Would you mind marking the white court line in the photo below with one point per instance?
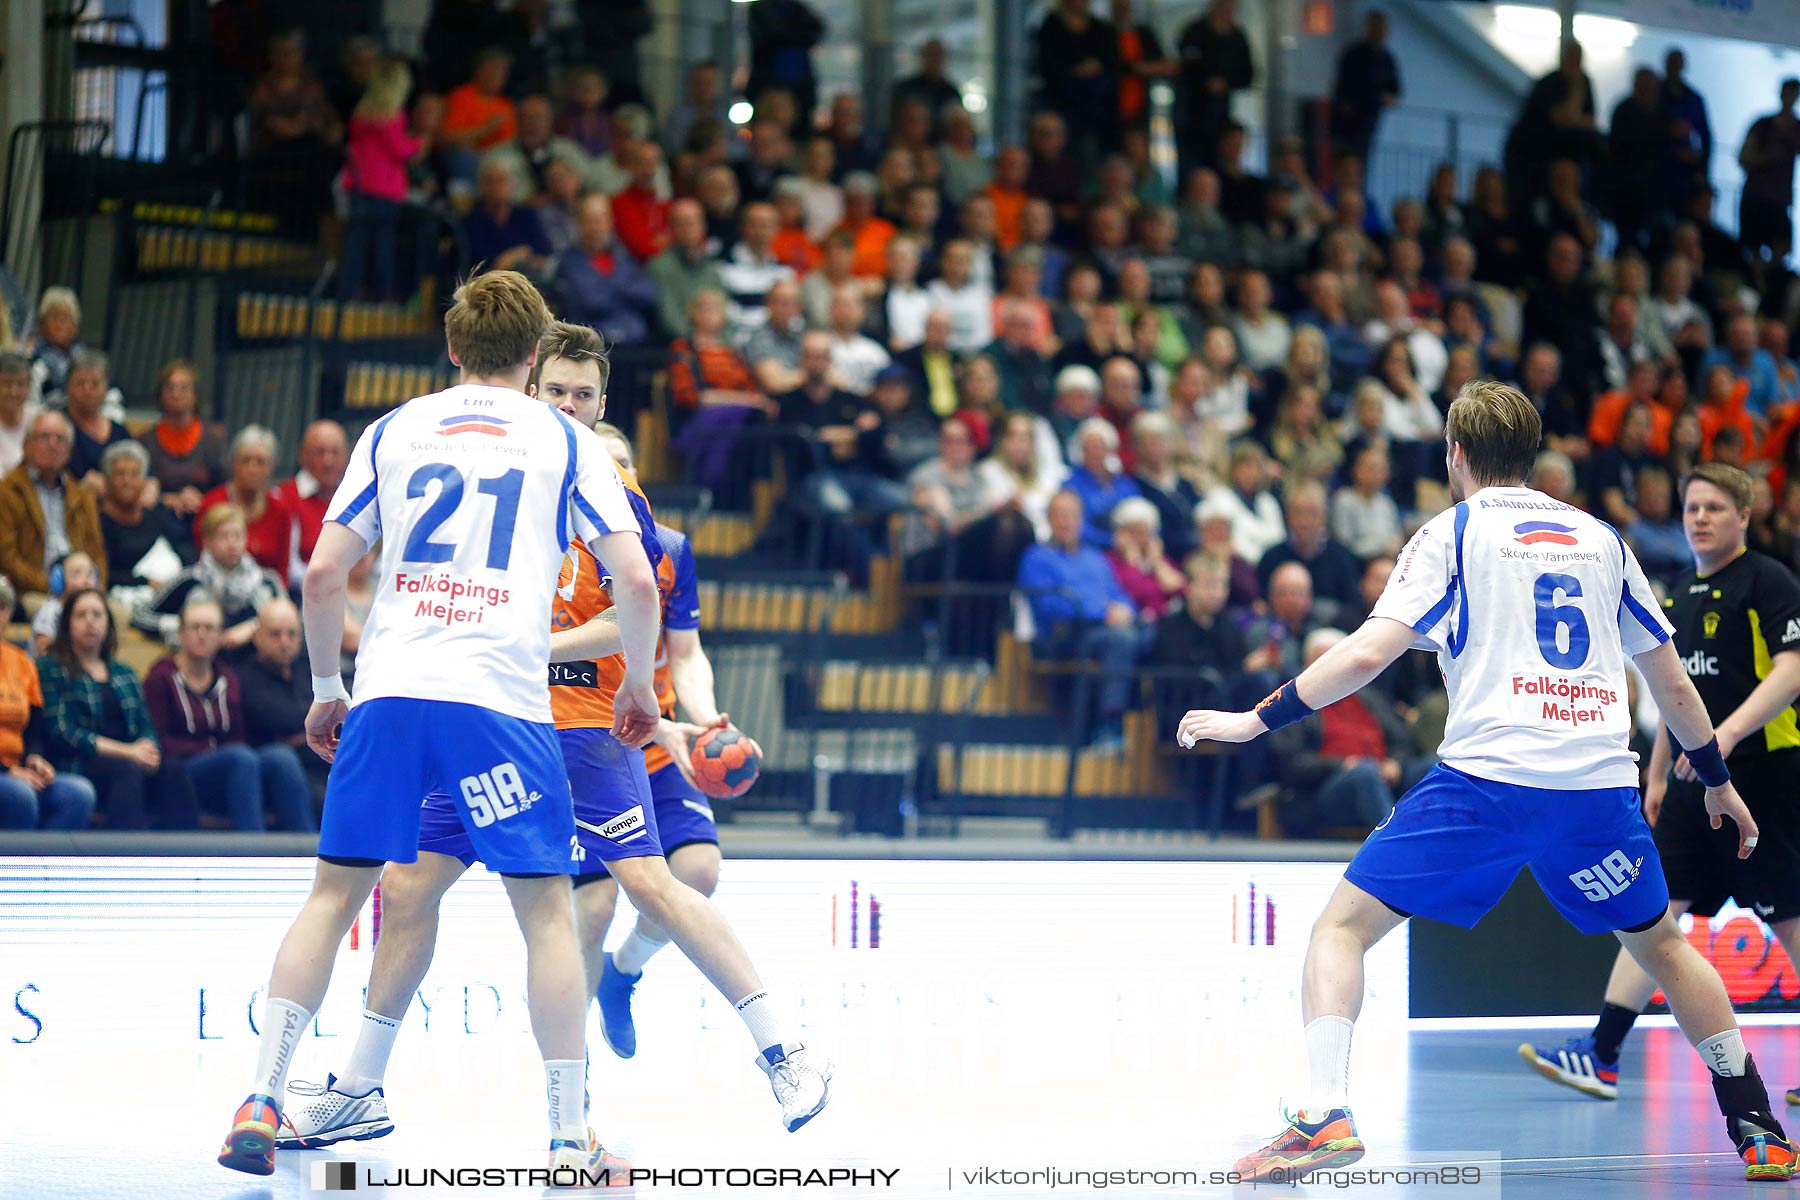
(1580, 1021)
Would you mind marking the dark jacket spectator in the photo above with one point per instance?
(782, 35)
(1215, 62)
(131, 528)
(1368, 81)
(1077, 60)
(597, 281)
(1336, 573)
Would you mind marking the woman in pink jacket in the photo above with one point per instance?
(378, 150)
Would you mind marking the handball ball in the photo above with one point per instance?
(725, 762)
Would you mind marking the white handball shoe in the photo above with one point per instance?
(587, 1165)
(320, 1115)
(800, 1080)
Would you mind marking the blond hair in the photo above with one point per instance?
(385, 97)
(577, 343)
(1733, 481)
(495, 323)
(220, 515)
(1498, 429)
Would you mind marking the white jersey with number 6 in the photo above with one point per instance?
(1531, 605)
(475, 493)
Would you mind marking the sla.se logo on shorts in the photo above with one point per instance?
(1607, 879)
(496, 795)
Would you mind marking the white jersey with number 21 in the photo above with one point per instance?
(475, 493)
(1532, 606)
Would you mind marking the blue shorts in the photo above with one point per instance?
(507, 774)
(683, 815)
(1455, 843)
(614, 816)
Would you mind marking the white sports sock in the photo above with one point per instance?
(1328, 1054)
(767, 1024)
(1724, 1053)
(630, 957)
(283, 1025)
(565, 1085)
(369, 1059)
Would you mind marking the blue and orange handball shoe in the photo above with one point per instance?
(250, 1146)
(1768, 1156)
(1575, 1065)
(1305, 1146)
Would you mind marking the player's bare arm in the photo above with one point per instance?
(639, 605)
(327, 574)
(1778, 690)
(597, 637)
(1685, 715)
(1345, 668)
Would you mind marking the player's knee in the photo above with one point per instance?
(698, 867)
(654, 892)
(406, 896)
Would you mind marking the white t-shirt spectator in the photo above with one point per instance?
(1429, 357)
(971, 309)
(1227, 406)
(907, 309)
(1370, 526)
(1256, 527)
(12, 440)
(823, 207)
(1263, 346)
(858, 360)
(1413, 418)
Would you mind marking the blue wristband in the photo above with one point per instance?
(1709, 764)
(1283, 706)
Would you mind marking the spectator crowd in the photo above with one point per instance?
(1192, 419)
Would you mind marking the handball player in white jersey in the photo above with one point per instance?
(1531, 606)
(474, 493)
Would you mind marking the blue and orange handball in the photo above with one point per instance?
(725, 762)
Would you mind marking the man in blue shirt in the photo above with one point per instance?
(1748, 361)
(1081, 611)
(501, 234)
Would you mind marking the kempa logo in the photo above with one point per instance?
(1793, 630)
(626, 826)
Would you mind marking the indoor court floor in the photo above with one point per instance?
(1457, 1096)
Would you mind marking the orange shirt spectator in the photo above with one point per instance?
(1724, 408)
(468, 109)
(791, 246)
(872, 237)
(1609, 411)
(1009, 214)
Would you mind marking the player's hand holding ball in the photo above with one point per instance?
(1208, 725)
(725, 762)
(677, 737)
(636, 712)
(1723, 801)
